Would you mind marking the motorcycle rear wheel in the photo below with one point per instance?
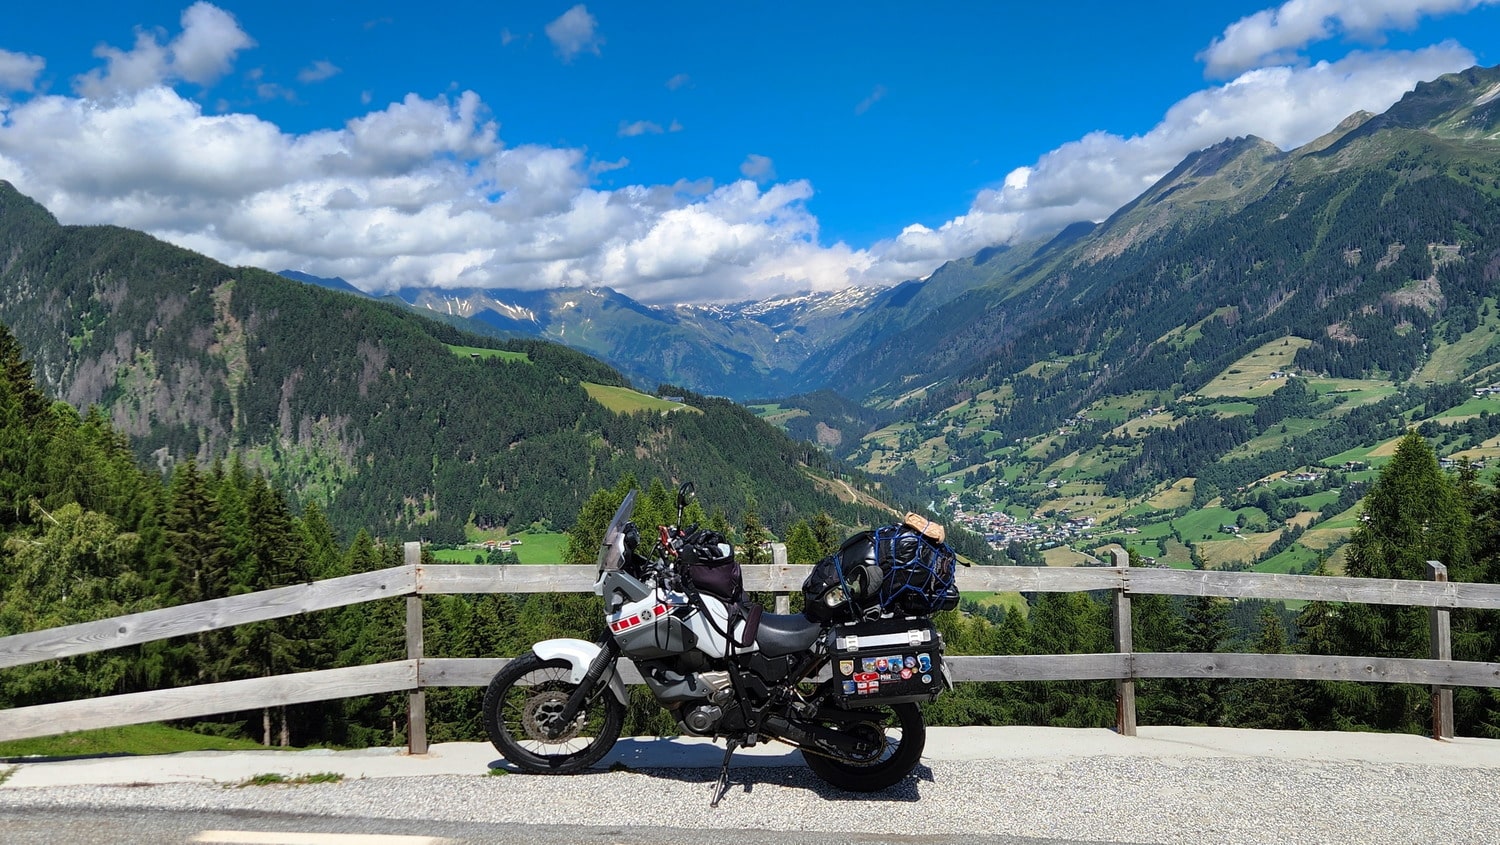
(526, 697)
(905, 736)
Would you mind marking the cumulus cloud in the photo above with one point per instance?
(207, 46)
(19, 71)
(1274, 36)
(680, 80)
(758, 167)
(875, 96)
(1088, 179)
(202, 53)
(576, 31)
(424, 192)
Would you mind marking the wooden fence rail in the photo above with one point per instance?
(418, 672)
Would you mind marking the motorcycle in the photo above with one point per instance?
(840, 681)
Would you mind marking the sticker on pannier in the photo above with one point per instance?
(887, 661)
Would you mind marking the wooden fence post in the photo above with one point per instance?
(778, 558)
(416, 700)
(1124, 687)
(1441, 640)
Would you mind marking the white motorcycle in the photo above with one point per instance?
(840, 681)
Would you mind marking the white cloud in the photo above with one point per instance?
(201, 53)
(680, 80)
(640, 127)
(425, 192)
(758, 167)
(1090, 178)
(207, 46)
(318, 71)
(19, 71)
(422, 192)
(575, 32)
(1274, 36)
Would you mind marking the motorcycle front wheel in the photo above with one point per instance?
(902, 735)
(522, 708)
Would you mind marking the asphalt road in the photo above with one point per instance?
(66, 826)
(989, 786)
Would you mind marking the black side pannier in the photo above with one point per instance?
(886, 661)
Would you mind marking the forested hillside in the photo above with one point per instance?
(88, 534)
(362, 407)
(1212, 376)
(1371, 242)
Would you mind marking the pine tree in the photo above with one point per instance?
(826, 533)
(1411, 515)
(1204, 630)
(753, 537)
(802, 545)
(588, 530)
(1269, 703)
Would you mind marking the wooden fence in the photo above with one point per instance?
(418, 671)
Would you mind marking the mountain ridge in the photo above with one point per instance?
(389, 420)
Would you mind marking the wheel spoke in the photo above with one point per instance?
(523, 709)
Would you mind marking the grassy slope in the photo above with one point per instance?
(534, 549)
(131, 739)
(623, 400)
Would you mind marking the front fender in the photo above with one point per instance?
(579, 654)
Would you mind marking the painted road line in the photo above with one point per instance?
(276, 837)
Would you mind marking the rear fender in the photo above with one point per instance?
(579, 654)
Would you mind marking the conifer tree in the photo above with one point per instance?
(1269, 703)
(826, 533)
(1411, 515)
(802, 545)
(754, 536)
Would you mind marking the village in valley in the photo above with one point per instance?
(1049, 492)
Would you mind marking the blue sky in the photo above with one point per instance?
(674, 151)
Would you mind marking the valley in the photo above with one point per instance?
(1053, 490)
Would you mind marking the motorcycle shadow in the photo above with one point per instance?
(745, 777)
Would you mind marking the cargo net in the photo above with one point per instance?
(919, 574)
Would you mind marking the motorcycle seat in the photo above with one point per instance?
(782, 634)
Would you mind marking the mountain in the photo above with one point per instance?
(390, 420)
(1277, 236)
(738, 350)
(334, 283)
(1256, 315)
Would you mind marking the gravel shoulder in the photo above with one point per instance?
(1170, 785)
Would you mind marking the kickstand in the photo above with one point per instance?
(721, 785)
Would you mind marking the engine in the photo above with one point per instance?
(699, 700)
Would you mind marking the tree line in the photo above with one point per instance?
(88, 534)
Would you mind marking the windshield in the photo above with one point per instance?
(612, 549)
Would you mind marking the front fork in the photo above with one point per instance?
(602, 662)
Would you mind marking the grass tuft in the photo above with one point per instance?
(276, 778)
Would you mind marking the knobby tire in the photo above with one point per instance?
(522, 697)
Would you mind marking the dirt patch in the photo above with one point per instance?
(1341, 332)
(1392, 253)
(1426, 294)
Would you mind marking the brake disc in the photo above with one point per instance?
(543, 711)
